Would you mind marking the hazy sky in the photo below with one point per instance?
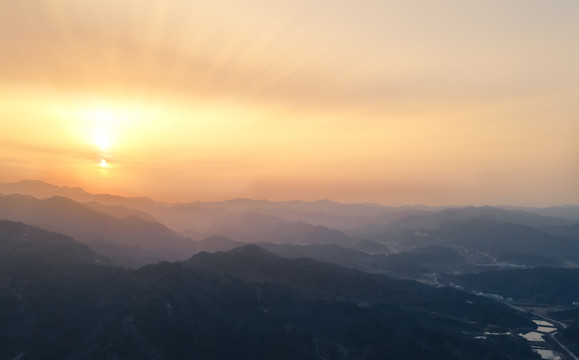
(390, 101)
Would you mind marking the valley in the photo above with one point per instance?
(415, 284)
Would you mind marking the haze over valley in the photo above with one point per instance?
(292, 180)
(410, 282)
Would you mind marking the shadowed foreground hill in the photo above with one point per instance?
(243, 304)
(255, 265)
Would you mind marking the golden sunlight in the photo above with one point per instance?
(101, 139)
(102, 124)
(350, 101)
(107, 127)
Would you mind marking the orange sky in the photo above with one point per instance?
(397, 102)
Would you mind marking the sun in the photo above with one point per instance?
(105, 130)
(101, 139)
(103, 122)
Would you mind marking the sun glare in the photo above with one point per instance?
(101, 139)
(103, 122)
(106, 130)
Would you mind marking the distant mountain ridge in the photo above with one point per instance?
(254, 228)
(489, 213)
(130, 240)
(41, 189)
(267, 284)
(495, 240)
(501, 239)
(411, 264)
(24, 244)
(192, 215)
(133, 234)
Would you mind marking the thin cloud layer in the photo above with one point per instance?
(388, 99)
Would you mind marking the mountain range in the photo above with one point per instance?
(87, 276)
(245, 303)
(129, 240)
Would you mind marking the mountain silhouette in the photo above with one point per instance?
(244, 304)
(24, 244)
(131, 240)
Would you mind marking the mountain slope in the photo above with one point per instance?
(570, 231)
(411, 264)
(488, 213)
(488, 241)
(41, 189)
(25, 244)
(503, 240)
(253, 228)
(131, 240)
(201, 216)
(254, 264)
(199, 310)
